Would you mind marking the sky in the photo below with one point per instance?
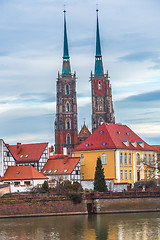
(31, 48)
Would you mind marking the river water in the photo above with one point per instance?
(137, 226)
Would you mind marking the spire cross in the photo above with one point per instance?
(64, 8)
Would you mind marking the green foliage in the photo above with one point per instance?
(45, 187)
(75, 197)
(67, 186)
(99, 179)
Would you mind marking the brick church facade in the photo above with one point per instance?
(66, 127)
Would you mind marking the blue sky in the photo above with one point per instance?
(31, 44)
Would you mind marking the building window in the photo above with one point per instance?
(99, 85)
(100, 107)
(126, 174)
(145, 158)
(27, 183)
(82, 175)
(145, 175)
(138, 159)
(68, 125)
(121, 174)
(153, 162)
(68, 140)
(104, 158)
(130, 174)
(149, 174)
(82, 159)
(130, 158)
(67, 107)
(67, 90)
(153, 174)
(149, 159)
(121, 158)
(125, 158)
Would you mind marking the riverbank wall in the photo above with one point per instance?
(29, 206)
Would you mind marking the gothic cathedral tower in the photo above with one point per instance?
(102, 106)
(66, 108)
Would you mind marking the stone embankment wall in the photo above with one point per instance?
(27, 207)
(127, 204)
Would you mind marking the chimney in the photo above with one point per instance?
(19, 147)
(64, 151)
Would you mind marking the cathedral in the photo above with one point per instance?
(66, 126)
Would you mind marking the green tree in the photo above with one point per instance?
(99, 179)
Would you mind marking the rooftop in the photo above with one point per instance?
(113, 136)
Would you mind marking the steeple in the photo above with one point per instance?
(66, 69)
(98, 58)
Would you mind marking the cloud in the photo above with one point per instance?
(141, 56)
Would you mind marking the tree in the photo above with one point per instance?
(99, 179)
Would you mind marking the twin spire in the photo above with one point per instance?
(66, 69)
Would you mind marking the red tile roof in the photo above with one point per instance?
(28, 152)
(113, 136)
(22, 172)
(53, 156)
(60, 164)
(157, 148)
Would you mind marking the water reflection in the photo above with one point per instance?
(96, 227)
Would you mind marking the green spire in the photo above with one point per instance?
(66, 69)
(98, 58)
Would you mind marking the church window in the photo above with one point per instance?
(145, 158)
(153, 162)
(130, 158)
(99, 85)
(125, 158)
(67, 90)
(68, 139)
(67, 107)
(104, 158)
(68, 125)
(149, 159)
(100, 107)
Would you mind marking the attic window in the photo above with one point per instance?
(86, 145)
(26, 156)
(101, 132)
(18, 173)
(127, 133)
(134, 144)
(49, 171)
(21, 156)
(44, 171)
(141, 144)
(65, 170)
(118, 132)
(104, 143)
(55, 171)
(125, 142)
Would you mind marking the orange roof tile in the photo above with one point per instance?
(113, 136)
(29, 152)
(58, 166)
(22, 172)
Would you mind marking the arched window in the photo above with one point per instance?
(125, 158)
(68, 125)
(130, 158)
(104, 158)
(138, 159)
(153, 162)
(100, 107)
(121, 158)
(99, 85)
(149, 159)
(67, 90)
(67, 107)
(145, 158)
(68, 139)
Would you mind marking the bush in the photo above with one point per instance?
(75, 197)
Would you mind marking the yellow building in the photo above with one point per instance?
(126, 158)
